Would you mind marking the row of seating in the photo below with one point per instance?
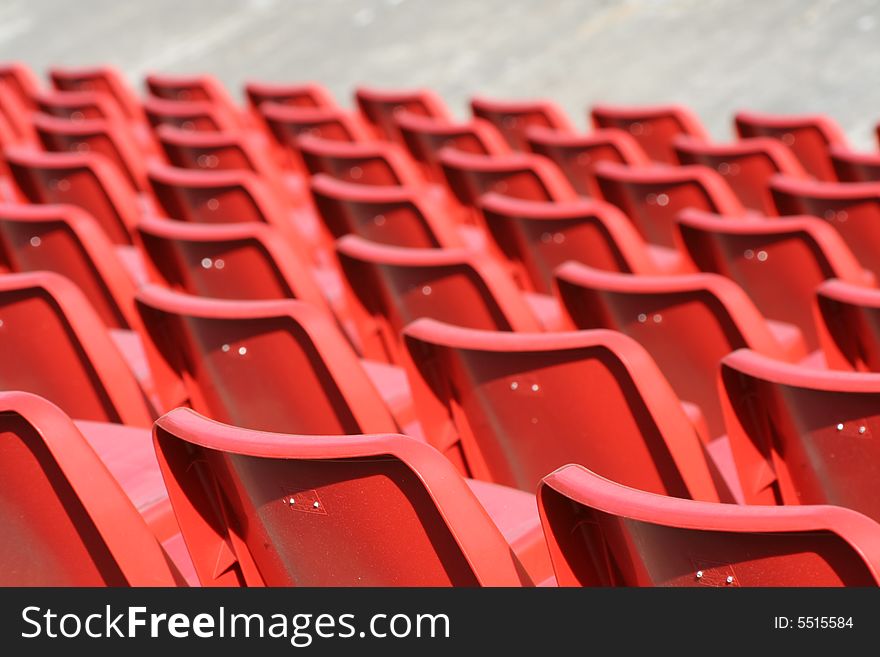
(383, 317)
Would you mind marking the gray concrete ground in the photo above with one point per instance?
(715, 55)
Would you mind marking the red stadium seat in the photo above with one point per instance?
(513, 117)
(809, 136)
(199, 88)
(392, 286)
(20, 80)
(100, 79)
(852, 208)
(518, 406)
(424, 138)
(801, 435)
(54, 344)
(848, 318)
(777, 263)
(102, 136)
(16, 116)
(236, 359)
(653, 196)
(520, 175)
(66, 521)
(365, 163)
(382, 510)
(381, 106)
(288, 122)
(79, 105)
(851, 166)
(396, 215)
(189, 115)
(226, 261)
(747, 165)
(541, 235)
(296, 94)
(603, 534)
(654, 127)
(87, 180)
(687, 323)
(576, 155)
(67, 240)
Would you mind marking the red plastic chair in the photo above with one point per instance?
(852, 208)
(381, 106)
(603, 534)
(802, 435)
(747, 165)
(189, 115)
(16, 115)
(226, 261)
(365, 163)
(101, 79)
(288, 122)
(777, 263)
(395, 215)
(424, 138)
(67, 240)
(236, 361)
(101, 136)
(20, 80)
(541, 235)
(79, 105)
(66, 520)
(392, 286)
(851, 166)
(848, 319)
(289, 94)
(576, 155)
(809, 136)
(199, 88)
(652, 197)
(514, 406)
(687, 323)
(87, 180)
(520, 175)
(54, 344)
(654, 127)
(264, 509)
(513, 117)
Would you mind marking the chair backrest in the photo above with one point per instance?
(852, 166)
(216, 196)
(102, 136)
(520, 175)
(199, 88)
(526, 404)
(392, 286)
(392, 214)
(747, 165)
(809, 136)
(269, 509)
(19, 79)
(802, 435)
(53, 343)
(100, 79)
(687, 323)
(227, 261)
(381, 106)
(365, 163)
(541, 235)
(291, 94)
(603, 534)
(87, 180)
(288, 122)
(188, 115)
(653, 196)
(16, 115)
(79, 106)
(654, 127)
(576, 155)
(425, 136)
(66, 521)
(777, 263)
(67, 240)
(852, 208)
(848, 319)
(513, 117)
(278, 365)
